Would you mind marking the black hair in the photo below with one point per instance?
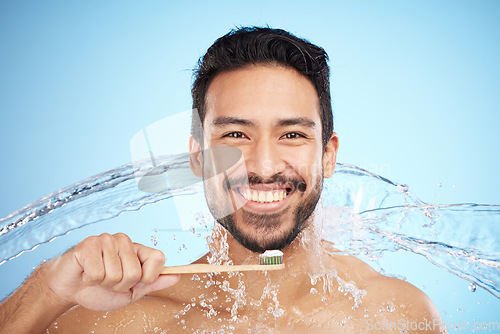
(262, 45)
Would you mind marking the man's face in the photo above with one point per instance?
(271, 114)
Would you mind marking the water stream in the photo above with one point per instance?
(361, 213)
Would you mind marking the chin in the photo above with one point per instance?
(259, 236)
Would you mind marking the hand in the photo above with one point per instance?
(107, 272)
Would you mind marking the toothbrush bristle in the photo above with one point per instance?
(270, 257)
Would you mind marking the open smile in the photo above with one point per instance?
(265, 197)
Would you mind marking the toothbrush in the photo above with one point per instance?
(269, 260)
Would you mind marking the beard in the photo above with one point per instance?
(269, 230)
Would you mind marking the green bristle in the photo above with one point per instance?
(264, 259)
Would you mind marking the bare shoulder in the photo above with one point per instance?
(349, 267)
(402, 293)
(391, 299)
(405, 305)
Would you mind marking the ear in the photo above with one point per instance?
(330, 156)
(195, 157)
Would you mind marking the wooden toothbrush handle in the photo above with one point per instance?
(212, 268)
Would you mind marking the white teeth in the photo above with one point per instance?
(255, 196)
(281, 195)
(276, 196)
(264, 196)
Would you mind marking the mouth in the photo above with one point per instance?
(265, 196)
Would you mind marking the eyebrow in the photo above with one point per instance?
(303, 121)
(227, 120)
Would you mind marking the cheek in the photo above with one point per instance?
(306, 162)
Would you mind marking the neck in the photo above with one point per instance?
(304, 254)
(303, 257)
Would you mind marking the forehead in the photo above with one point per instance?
(262, 93)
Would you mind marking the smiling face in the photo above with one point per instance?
(270, 113)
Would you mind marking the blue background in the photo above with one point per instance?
(415, 85)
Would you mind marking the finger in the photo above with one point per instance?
(88, 254)
(131, 266)
(112, 263)
(162, 282)
(152, 261)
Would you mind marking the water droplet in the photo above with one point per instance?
(439, 184)
(154, 240)
(390, 308)
(459, 310)
(472, 287)
(192, 230)
(404, 188)
(313, 291)
(278, 312)
(195, 278)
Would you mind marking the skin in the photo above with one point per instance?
(107, 276)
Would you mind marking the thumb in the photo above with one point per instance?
(162, 282)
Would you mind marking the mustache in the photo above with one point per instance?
(296, 183)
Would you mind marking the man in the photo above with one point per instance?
(266, 93)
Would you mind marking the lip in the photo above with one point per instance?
(263, 207)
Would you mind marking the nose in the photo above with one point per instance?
(264, 158)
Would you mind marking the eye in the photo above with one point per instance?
(235, 134)
(293, 135)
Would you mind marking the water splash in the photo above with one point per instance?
(362, 214)
(93, 200)
(463, 239)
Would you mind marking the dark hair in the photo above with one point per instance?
(255, 45)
